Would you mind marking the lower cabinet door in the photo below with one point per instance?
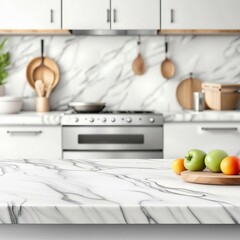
(181, 137)
(30, 142)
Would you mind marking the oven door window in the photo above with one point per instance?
(110, 139)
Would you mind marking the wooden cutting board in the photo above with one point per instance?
(185, 91)
(210, 178)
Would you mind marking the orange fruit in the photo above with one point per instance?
(230, 165)
(178, 166)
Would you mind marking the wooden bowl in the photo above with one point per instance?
(49, 63)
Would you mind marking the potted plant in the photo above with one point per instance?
(4, 63)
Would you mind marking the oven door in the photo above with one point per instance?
(112, 138)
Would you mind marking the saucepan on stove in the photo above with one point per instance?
(81, 107)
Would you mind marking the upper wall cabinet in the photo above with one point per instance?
(30, 14)
(200, 14)
(135, 15)
(86, 14)
(111, 14)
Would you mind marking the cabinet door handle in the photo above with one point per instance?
(172, 16)
(114, 15)
(108, 15)
(220, 129)
(51, 16)
(24, 132)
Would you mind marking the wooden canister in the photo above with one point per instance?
(221, 97)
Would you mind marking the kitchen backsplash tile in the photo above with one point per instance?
(99, 68)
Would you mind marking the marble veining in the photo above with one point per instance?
(109, 192)
(99, 68)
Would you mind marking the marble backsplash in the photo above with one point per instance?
(99, 68)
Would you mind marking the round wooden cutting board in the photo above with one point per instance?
(210, 178)
(185, 91)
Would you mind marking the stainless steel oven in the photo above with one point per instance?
(113, 136)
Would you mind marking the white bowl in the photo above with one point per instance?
(10, 105)
(10, 99)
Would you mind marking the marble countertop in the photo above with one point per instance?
(54, 118)
(31, 118)
(205, 116)
(109, 192)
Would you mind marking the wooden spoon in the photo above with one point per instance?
(167, 66)
(43, 72)
(49, 88)
(138, 65)
(39, 86)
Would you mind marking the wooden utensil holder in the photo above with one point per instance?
(42, 104)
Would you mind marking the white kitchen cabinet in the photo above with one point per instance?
(38, 142)
(135, 14)
(111, 14)
(30, 14)
(86, 14)
(181, 137)
(200, 14)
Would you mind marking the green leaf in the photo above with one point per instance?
(4, 62)
(2, 43)
(3, 76)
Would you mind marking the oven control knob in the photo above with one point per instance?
(76, 120)
(129, 120)
(152, 120)
(91, 119)
(104, 119)
(113, 119)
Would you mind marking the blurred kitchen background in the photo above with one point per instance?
(99, 69)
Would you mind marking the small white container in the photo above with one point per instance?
(198, 101)
(10, 105)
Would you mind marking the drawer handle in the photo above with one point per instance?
(219, 129)
(24, 132)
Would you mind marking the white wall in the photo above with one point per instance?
(99, 68)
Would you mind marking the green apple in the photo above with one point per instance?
(213, 160)
(194, 160)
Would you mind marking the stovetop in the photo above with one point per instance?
(72, 112)
(110, 118)
(128, 112)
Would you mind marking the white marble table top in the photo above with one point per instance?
(109, 192)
